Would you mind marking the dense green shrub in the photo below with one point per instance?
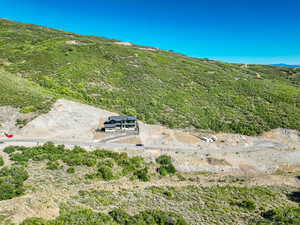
(166, 167)
(142, 174)
(9, 149)
(120, 216)
(247, 204)
(105, 172)
(152, 217)
(53, 165)
(92, 176)
(281, 216)
(80, 216)
(131, 164)
(11, 182)
(76, 216)
(71, 170)
(1, 161)
(166, 192)
(108, 162)
(34, 221)
(164, 160)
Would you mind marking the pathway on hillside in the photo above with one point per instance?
(259, 145)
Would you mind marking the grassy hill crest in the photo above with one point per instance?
(156, 85)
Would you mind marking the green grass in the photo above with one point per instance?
(157, 86)
(23, 94)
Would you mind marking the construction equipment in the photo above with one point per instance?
(209, 140)
(6, 135)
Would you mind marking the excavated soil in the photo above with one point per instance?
(233, 153)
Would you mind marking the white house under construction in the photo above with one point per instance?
(121, 123)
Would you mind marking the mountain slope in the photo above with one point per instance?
(158, 86)
(286, 65)
(23, 94)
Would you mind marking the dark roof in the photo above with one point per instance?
(121, 118)
(110, 125)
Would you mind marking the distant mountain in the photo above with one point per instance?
(286, 65)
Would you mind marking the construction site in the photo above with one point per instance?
(192, 150)
(206, 161)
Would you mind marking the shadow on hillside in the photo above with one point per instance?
(294, 196)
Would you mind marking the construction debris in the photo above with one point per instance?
(209, 140)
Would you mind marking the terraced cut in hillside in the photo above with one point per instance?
(157, 86)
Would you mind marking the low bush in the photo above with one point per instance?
(11, 182)
(53, 165)
(71, 170)
(105, 172)
(164, 160)
(9, 149)
(120, 216)
(108, 162)
(20, 123)
(1, 161)
(142, 174)
(76, 216)
(34, 221)
(92, 176)
(166, 192)
(81, 216)
(151, 217)
(102, 160)
(166, 167)
(280, 216)
(247, 204)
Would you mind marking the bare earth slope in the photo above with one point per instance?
(74, 123)
(67, 120)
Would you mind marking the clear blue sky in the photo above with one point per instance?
(248, 31)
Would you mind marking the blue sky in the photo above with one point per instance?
(247, 31)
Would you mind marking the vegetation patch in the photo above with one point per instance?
(53, 165)
(166, 166)
(96, 198)
(1, 161)
(11, 182)
(116, 217)
(71, 170)
(107, 165)
(280, 216)
(171, 89)
(167, 192)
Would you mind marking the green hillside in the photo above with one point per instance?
(158, 86)
(23, 94)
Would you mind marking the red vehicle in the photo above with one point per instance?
(7, 135)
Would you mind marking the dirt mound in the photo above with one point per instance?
(123, 43)
(9, 118)
(67, 120)
(283, 135)
(217, 162)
